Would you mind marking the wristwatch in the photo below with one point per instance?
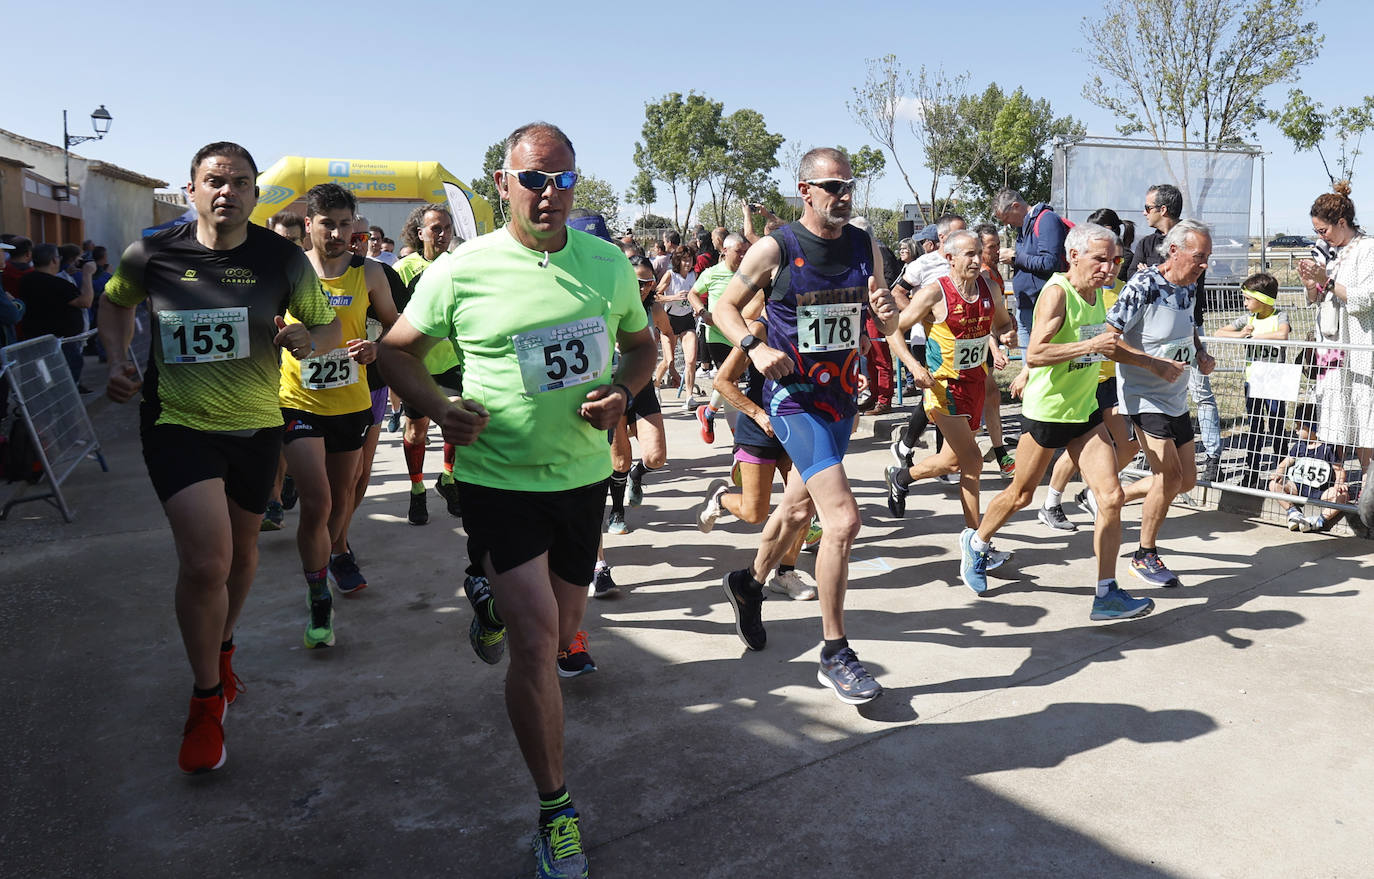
(749, 342)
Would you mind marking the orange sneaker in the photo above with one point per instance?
(202, 740)
(233, 685)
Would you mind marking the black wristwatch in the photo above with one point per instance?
(748, 342)
(629, 397)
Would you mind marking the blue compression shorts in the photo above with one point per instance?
(812, 443)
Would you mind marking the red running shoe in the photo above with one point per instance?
(202, 740)
(707, 422)
(233, 685)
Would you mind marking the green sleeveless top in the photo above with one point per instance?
(1066, 393)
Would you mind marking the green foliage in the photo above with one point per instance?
(596, 195)
(642, 190)
(1006, 142)
(867, 165)
(1194, 71)
(484, 185)
(1307, 125)
(687, 141)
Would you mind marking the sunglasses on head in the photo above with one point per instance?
(833, 185)
(535, 181)
(644, 282)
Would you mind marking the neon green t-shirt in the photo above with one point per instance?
(441, 358)
(532, 341)
(713, 282)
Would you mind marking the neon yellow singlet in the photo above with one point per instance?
(332, 383)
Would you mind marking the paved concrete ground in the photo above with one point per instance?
(1225, 735)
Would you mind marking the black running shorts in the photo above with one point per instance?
(450, 382)
(179, 456)
(513, 527)
(1178, 428)
(341, 433)
(1057, 434)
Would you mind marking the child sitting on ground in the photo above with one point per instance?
(1311, 469)
(1261, 321)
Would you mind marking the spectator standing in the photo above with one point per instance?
(1038, 254)
(20, 262)
(53, 304)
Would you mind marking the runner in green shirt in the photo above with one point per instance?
(713, 282)
(533, 310)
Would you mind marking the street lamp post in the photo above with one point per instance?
(100, 121)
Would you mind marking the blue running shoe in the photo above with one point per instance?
(344, 573)
(1117, 605)
(973, 569)
(1150, 569)
(851, 682)
(558, 848)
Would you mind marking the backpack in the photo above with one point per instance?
(1068, 224)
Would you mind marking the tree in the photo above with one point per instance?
(1005, 142)
(1194, 71)
(928, 102)
(484, 186)
(743, 159)
(867, 164)
(597, 196)
(681, 146)
(1303, 122)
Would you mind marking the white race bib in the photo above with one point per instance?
(333, 369)
(1087, 333)
(563, 356)
(830, 327)
(1264, 353)
(1178, 350)
(374, 329)
(203, 335)
(970, 353)
(1311, 472)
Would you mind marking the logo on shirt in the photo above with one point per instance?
(189, 276)
(237, 275)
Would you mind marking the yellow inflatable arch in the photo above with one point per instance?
(370, 180)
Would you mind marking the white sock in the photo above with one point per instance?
(1053, 499)
(904, 448)
(979, 544)
(1103, 586)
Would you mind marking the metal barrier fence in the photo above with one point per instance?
(1287, 423)
(47, 401)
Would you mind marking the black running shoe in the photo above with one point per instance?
(846, 675)
(896, 495)
(419, 509)
(449, 492)
(747, 600)
(288, 493)
(602, 584)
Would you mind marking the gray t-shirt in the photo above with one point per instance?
(1156, 317)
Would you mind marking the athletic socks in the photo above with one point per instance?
(415, 463)
(903, 478)
(638, 470)
(833, 646)
(998, 452)
(551, 804)
(978, 544)
(1053, 499)
(914, 428)
(1105, 586)
(198, 693)
(1143, 551)
(449, 451)
(226, 646)
(783, 569)
(317, 582)
(618, 478)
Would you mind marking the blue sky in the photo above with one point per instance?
(443, 81)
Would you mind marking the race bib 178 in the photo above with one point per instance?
(830, 327)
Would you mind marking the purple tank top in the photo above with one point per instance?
(817, 320)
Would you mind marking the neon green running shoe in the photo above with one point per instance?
(319, 631)
(813, 534)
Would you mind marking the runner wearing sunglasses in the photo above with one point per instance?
(822, 277)
(535, 308)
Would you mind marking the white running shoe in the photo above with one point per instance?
(711, 509)
(794, 584)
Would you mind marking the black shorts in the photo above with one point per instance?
(341, 433)
(516, 526)
(719, 351)
(450, 381)
(646, 404)
(179, 456)
(682, 323)
(1106, 394)
(1178, 428)
(1058, 434)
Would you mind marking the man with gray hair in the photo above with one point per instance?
(1069, 340)
(1155, 314)
(1163, 210)
(1038, 254)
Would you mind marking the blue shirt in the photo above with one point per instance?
(1156, 317)
(1039, 253)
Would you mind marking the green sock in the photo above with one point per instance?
(417, 488)
(551, 804)
(446, 477)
